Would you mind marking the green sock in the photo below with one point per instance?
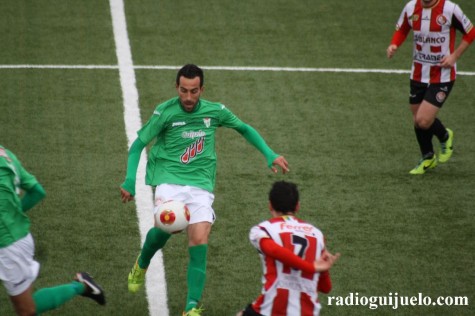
(52, 297)
(196, 275)
(155, 240)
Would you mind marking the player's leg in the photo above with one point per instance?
(47, 299)
(201, 219)
(198, 234)
(23, 303)
(436, 95)
(155, 239)
(424, 115)
(18, 272)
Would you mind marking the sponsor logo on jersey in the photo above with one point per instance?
(192, 151)
(418, 38)
(207, 122)
(178, 124)
(304, 228)
(428, 58)
(441, 20)
(193, 134)
(440, 96)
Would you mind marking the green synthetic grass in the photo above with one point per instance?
(348, 139)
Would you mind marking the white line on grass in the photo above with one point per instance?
(226, 68)
(155, 280)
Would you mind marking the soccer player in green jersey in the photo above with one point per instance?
(182, 166)
(18, 269)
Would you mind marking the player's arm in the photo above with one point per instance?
(253, 137)
(127, 189)
(468, 32)
(399, 36)
(33, 190)
(324, 280)
(32, 197)
(286, 256)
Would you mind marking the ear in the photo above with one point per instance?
(271, 208)
(297, 207)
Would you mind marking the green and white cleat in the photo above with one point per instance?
(446, 149)
(195, 311)
(136, 278)
(424, 164)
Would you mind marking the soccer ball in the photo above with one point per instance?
(172, 216)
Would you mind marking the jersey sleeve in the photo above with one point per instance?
(256, 234)
(324, 282)
(271, 249)
(402, 29)
(26, 179)
(462, 23)
(153, 127)
(228, 119)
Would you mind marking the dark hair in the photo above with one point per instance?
(190, 71)
(284, 196)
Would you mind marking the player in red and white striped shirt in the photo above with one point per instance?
(294, 259)
(434, 24)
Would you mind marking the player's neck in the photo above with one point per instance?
(429, 4)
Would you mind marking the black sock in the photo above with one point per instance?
(438, 129)
(424, 138)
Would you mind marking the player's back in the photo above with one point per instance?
(287, 289)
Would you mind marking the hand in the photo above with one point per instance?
(326, 261)
(282, 163)
(448, 61)
(126, 196)
(391, 50)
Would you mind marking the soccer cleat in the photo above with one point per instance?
(136, 277)
(424, 164)
(93, 290)
(195, 311)
(446, 149)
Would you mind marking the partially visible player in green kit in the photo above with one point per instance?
(18, 269)
(182, 166)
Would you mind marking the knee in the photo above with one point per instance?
(422, 123)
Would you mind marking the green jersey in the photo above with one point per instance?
(184, 152)
(14, 224)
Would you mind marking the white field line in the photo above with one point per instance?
(226, 68)
(155, 279)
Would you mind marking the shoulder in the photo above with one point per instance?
(167, 106)
(217, 106)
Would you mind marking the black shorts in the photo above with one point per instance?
(249, 311)
(434, 93)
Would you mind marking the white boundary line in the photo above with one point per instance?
(155, 278)
(225, 68)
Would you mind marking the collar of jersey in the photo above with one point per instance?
(196, 108)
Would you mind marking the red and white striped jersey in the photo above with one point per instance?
(434, 37)
(286, 291)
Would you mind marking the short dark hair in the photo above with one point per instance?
(190, 71)
(284, 196)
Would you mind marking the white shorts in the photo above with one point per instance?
(199, 201)
(18, 269)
